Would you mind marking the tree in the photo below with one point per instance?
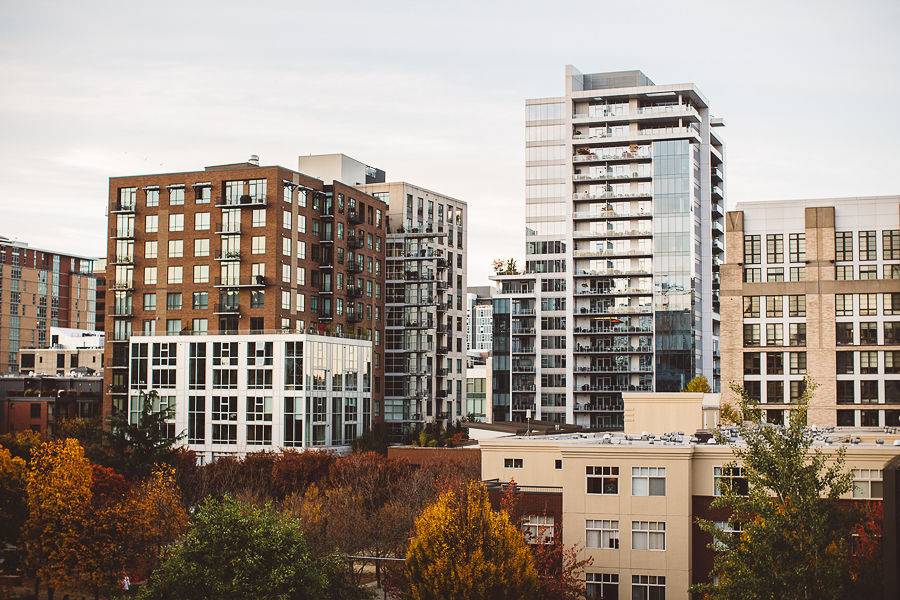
(794, 533)
(698, 384)
(58, 493)
(12, 497)
(135, 448)
(464, 549)
(505, 266)
(235, 550)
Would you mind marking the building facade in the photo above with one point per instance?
(812, 288)
(630, 503)
(241, 249)
(233, 394)
(624, 237)
(480, 317)
(425, 372)
(40, 289)
(38, 402)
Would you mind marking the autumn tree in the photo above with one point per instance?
(462, 548)
(794, 533)
(235, 550)
(58, 495)
(698, 384)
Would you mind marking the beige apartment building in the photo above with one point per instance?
(630, 502)
(812, 287)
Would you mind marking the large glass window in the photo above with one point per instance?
(648, 535)
(602, 480)
(602, 534)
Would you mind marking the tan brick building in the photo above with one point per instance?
(812, 287)
(241, 249)
(40, 289)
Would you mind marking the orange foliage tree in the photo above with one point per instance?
(464, 549)
(12, 496)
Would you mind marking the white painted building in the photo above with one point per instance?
(235, 394)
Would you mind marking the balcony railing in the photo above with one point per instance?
(607, 194)
(354, 216)
(612, 253)
(123, 207)
(354, 291)
(123, 260)
(614, 310)
(630, 291)
(122, 285)
(354, 267)
(610, 233)
(227, 308)
(610, 175)
(611, 272)
(245, 201)
(601, 156)
(236, 282)
(228, 256)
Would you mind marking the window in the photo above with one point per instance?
(538, 529)
(648, 481)
(731, 477)
(774, 363)
(512, 463)
(751, 334)
(868, 333)
(648, 535)
(890, 243)
(259, 420)
(751, 249)
(602, 480)
(224, 420)
(201, 247)
(798, 363)
(286, 246)
(867, 246)
(868, 271)
(752, 275)
(202, 194)
(176, 248)
(843, 245)
(259, 217)
(868, 362)
(797, 247)
(775, 275)
(796, 306)
(153, 197)
(601, 586)
(601, 534)
(196, 420)
(201, 273)
(774, 248)
(173, 326)
(201, 221)
(150, 301)
(775, 334)
(648, 587)
(843, 272)
(797, 274)
(774, 307)
(175, 275)
(258, 244)
(751, 307)
(176, 196)
(797, 334)
(150, 249)
(173, 301)
(176, 222)
(868, 484)
(150, 275)
(843, 333)
(891, 302)
(868, 304)
(557, 464)
(301, 223)
(774, 392)
(151, 224)
(752, 363)
(286, 219)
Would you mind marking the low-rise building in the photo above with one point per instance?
(239, 393)
(39, 402)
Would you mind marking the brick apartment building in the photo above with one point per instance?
(240, 249)
(40, 289)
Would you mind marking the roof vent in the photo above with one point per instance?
(254, 159)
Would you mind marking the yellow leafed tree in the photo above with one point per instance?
(464, 549)
(58, 492)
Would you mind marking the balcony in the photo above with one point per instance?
(253, 281)
(354, 317)
(609, 349)
(618, 330)
(245, 201)
(523, 387)
(123, 311)
(325, 316)
(717, 209)
(614, 195)
(612, 234)
(586, 291)
(354, 216)
(611, 176)
(227, 308)
(523, 312)
(443, 349)
(718, 175)
(356, 241)
(614, 387)
(600, 156)
(127, 234)
(613, 253)
(442, 286)
(123, 207)
(523, 331)
(354, 291)
(121, 286)
(717, 193)
(660, 111)
(228, 256)
(354, 267)
(718, 247)
(614, 310)
(229, 229)
(325, 262)
(613, 272)
(650, 133)
(601, 369)
(518, 349)
(123, 260)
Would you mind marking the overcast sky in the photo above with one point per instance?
(430, 92)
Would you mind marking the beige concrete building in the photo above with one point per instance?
(812, 287)
(671, 411)
(630, 503)
(59, 361)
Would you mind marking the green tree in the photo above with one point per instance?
(135, 448)
(698, 384)
(794, 539)
(464, 549)
(234, 551)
